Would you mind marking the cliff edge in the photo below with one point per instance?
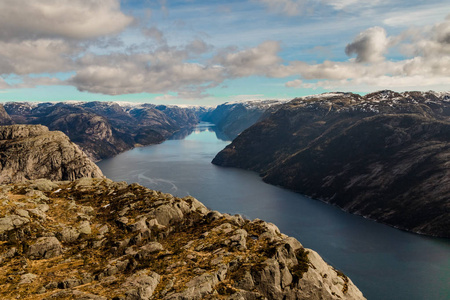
(98, 239)
(33, 152)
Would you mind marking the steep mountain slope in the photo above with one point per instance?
(97, 239)
(384, 156)
(233, 118)
(33, 152)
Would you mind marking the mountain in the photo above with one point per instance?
(234, 117)
(98, 239)
(384, 156)
(104, 129)
(33, 152)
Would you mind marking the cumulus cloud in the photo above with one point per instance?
(254, 61)
(428, 42)
(46, 35)
(161, 71)
(36, 56)
(76, 19)
(369, 46)
(427, 66)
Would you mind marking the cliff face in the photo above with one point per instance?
(32, 152)
(5, 119)
(97, 239)
(104, 129)
(384, 156)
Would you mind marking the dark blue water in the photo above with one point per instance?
(385, 263)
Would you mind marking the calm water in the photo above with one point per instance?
(383, 262)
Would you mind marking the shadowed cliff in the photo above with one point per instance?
(384, 156)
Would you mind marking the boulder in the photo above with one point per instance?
(45, 247)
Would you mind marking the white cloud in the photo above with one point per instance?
(254, 61)
(369, 46)
(76, 19)
(429, 41)
(428, 66)
(158, 72)
(36, 56)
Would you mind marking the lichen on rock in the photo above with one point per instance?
(144, 244)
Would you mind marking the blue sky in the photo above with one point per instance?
(209, 52)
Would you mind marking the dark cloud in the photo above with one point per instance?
(369, 46)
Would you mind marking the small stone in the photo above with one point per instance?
(27, 278)
(85, 228)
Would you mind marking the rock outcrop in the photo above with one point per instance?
(384, 156)
(98, 239)
(33, 152)
(5, 119)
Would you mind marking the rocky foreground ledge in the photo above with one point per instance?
(99, 239)
(32, 152)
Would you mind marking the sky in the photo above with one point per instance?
(210, 52)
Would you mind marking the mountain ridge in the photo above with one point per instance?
(384, 155)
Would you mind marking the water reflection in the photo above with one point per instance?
(202, 127)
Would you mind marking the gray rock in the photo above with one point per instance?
(11, 222)
(222, 272)
(85, 228)
(141, 285)
(22, 213)
(140, 226)
(166, 214)
(8, 254)
(27, 278)
(68, 235)
(224, 228)
(43, 185)
(43, 154)
(45, 247)
(69, 283)
(146, 251)
(239, 239)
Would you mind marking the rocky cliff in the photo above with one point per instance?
(98, 239)
(32, 152)
(384, 156)
(5, 119)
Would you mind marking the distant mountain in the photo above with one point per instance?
(384, 155)
(104, 129)
(234, 117)
(34, 152)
